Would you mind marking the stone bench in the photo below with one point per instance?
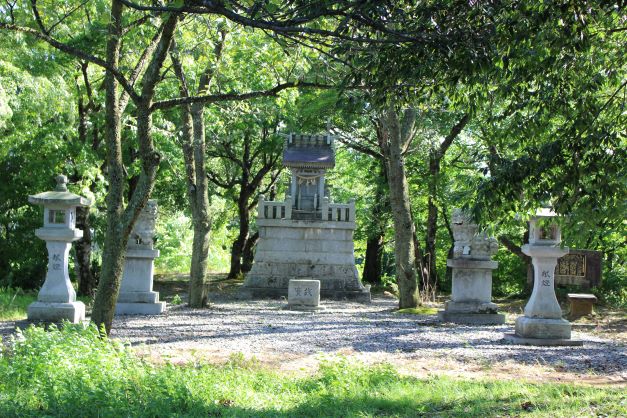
(581, 304)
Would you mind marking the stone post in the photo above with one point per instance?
(261, 214)
(471, 297)
(351, 210)
(324, 208)
(542, 322)
(56, 300)
(288, 207)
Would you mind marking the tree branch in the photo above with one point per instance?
(74, 52)
(213, 98)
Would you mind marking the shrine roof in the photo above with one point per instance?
(309, 151)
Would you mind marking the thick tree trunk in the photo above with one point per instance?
(84, 274)
(396, 136)
(119, 221)
(114, 243)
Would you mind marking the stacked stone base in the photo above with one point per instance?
(297, 249)
(136, 294)
(542, 332)
(139, 303)
(73, 312)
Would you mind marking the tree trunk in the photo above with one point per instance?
(114, 243)
(429, 257)
(237, 249)
(376, 236)
(249, 254)
(372, 262)
(120, 221)
(396, 136)
(84, 275)
(199, 199)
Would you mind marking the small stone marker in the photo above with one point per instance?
(303, 294)
(542, 322)
(580, 304)
(56, 300)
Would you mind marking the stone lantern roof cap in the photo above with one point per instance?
(309, 151)
(59, 196)
(545, 213)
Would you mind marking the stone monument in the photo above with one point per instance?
(471, 297)
(303, 295)
(542, 323)
(306, 235)
(56, 300)
(136, 294)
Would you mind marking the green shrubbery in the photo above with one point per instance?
(73, 372)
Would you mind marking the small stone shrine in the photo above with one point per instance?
(471, 297)
(56, 300)
(306, 235)
(303, 295)
(542, 323)
(136, 294)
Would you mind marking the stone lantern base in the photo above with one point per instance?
(73, 312)
(542, 332)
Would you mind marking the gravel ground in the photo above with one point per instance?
(373, 332)
(418, 344)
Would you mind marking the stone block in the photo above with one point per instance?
(543, 328)
(303, 294)
(73, 312)
(546, 342)
(472, 318)
(124, 308)
(139, 297)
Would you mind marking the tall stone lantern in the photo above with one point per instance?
(542, 322)
(57, 299)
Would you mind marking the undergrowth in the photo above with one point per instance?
(72, 372)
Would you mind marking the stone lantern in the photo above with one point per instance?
(542, 322)
(57, 299)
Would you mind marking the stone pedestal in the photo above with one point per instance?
(290, 249)
(471, 297)
(303, 295)
(136, 295)
(542, 323)
(56, 300)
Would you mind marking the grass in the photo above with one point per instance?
(13, 303)
(72, 372)
(421, 310)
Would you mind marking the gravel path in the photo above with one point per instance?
(264, 330)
